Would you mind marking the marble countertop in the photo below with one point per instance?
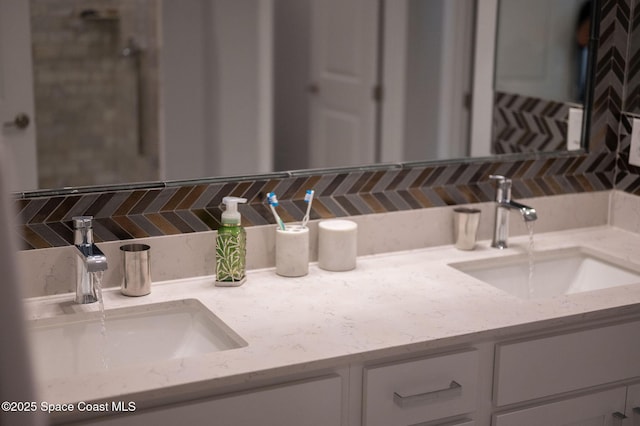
(391, 304)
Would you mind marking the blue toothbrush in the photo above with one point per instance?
(273, 203)
(308, 198)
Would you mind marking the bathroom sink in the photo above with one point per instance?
(79, 343)
(554, 272)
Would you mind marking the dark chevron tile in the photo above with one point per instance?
(254, 194)
(163, 223)
(128, 203)
(177, 196)
(384, 200)
(63, 208)
(373, 181)
(321, 210)
(131, 227)
(29, 210)
(207, 218)
(333, 185)
(192, 220)
(45, 210)
(373, 203)
(526, 124)
(294, 185)
(49, 235)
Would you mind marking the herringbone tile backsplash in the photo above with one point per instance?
(124, 214)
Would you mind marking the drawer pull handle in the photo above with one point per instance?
(618, 417)
(454, 389)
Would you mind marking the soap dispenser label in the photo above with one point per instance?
(230, 254)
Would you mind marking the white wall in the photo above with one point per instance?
(483, 78)
(243, 68)
(438, 77)
(291, 80)
(216, 96)
(185, 124)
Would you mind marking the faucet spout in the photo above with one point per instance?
(528, 213)
(90, 259)
(504, 204)
(93, 258)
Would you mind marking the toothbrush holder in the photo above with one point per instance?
(292, 251)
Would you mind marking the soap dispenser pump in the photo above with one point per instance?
(231, 246)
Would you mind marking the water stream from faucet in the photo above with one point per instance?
(96, 277)
(529, 289)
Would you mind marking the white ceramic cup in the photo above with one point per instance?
(337, 244)
(292, 251)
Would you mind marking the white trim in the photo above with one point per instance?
(453, 118)
(264, 162)
(482, 103)
(394, 73)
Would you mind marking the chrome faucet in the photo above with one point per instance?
(504, 204)
(90, 259)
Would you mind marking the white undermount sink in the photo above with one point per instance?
(76, 344)
(554, 273)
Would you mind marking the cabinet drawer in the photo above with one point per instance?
(315, 402)
(420, 390)
(566, 362)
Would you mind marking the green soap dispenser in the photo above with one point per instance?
(231, 246)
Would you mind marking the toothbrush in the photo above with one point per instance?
(308, 198)
(273, 203)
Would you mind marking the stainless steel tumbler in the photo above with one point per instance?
(137, 270)
(465, 227)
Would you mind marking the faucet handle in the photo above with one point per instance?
(501, 179)
(82, 229)
(80, 222)
(504, 183)
(503, 192)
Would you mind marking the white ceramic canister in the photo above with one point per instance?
(337, 244)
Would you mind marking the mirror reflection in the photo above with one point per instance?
(144, 90)
(541, 48)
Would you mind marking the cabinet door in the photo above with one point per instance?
(598, 409)
(633, 405)
(309, 403)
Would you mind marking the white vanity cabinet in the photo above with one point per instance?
(316, 402)
(422, 390)
(569, 364)
(564, 377)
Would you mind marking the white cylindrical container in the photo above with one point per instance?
(337, 244)
(292, 251)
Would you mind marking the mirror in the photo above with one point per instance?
(541, 49)
(177, 90)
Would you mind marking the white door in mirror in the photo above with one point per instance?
(634, 151)
(17, 135)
